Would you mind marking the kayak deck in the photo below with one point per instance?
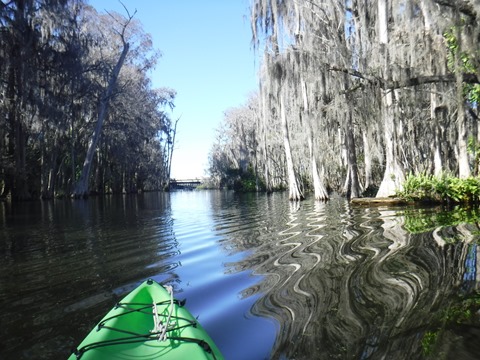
(148, 324)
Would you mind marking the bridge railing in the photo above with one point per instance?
(187, 184)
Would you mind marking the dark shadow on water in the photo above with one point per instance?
(64, 263)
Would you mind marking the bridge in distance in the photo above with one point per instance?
(188, 184)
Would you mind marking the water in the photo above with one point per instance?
(267, 278)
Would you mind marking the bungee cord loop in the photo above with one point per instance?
(159, 327)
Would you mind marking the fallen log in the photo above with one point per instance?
(381, 201)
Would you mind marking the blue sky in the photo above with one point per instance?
(207, 58)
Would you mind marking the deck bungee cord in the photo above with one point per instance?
(159, 326)
(166, 331)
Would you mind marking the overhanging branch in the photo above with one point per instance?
(429, 79)
(408, 82)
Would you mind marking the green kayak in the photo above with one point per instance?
(148, 324)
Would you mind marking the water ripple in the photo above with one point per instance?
(348, 283)
(291, 280)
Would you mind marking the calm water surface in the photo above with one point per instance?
(267, 278)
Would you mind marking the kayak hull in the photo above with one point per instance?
(147, 324)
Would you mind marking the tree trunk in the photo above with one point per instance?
(10, 173)
(266, 160)
(393, 177)
(294, 190)
(319, 189)
(48, 163)
(3, 161)
(170, 155)
(353, 189)
(20, 190)
(432, 39)
(463, 164)
(437, 150)
(435, 117)
(367, 155)
(16, 178)
(81, 188)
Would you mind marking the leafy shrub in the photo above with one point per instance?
(428, 188)
(419, 188)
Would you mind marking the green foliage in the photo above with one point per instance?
(423, 220)
(452, 46)
(463, 311)
(225, 176)
(419, 188)
(247, 182)
(444, 189)
(473, 93)
(371, 191)
(451, 42)
(473, 146)
(428, 342)
(246, 185)
(467, 65)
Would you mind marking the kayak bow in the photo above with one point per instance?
(148, 324)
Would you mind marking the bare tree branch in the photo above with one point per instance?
(124, 25)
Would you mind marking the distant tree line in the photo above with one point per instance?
(72, 82)
(355, 95)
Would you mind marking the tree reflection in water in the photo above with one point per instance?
(354, 283)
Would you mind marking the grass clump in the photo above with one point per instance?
(443, 189)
